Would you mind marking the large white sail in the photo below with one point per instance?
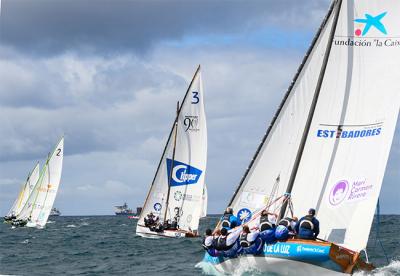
(344, 159)
(272, 164)
(351, 129)
(25, 192)
(186, 178)
(41, 200)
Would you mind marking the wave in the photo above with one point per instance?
(208, 269)
(393, 268)
(242, 270)
(71, 226)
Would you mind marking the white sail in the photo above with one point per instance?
(189, 165)
(342, 166)
(344, 160)
(273, 162)
(25, 192)
(205, 202)
(30, 183)
(41, 200)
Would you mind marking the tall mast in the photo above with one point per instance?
(312, 108)
(172, 160)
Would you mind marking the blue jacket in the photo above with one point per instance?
(305, 233)
(234, 221)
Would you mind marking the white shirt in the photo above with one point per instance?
(208, 241)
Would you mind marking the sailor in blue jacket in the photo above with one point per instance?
(228, 220)
(308, 226)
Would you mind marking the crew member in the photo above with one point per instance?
(208, 243)
(228, 220)
(149, 220)
(228, 243)
(267, 220)
(308, 226)
(250, 242)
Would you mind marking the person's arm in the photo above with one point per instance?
(316, 228)
(298, 225)
(233, 236)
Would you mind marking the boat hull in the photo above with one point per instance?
(145, 232)
(300, 257)
(275, 265)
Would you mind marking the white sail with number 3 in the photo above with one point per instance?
(176, 193)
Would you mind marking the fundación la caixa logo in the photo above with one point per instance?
(368, 22)
(182, 174)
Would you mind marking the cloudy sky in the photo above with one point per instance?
(107, 74)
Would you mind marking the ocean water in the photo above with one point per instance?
(107, 245)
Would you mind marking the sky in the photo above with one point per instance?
(107, 75)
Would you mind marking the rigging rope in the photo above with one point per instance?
(377, 239)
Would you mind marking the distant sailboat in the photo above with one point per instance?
(37, 209)
(23, 195)
(328, 144)
(176, 194)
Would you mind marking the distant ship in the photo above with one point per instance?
(55, 212)
(125, 211)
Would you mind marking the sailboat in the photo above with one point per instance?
(36, 211)
(328, 144)
(175, 198)
(23, 195)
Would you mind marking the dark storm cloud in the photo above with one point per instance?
(49, 27)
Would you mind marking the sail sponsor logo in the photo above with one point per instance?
(369, 31)
(191, 123)
(370, 22)
(244, 215)
(178, 196)
(338, 192)
(157, 207)
(349, 131)
(182, 174)
(349, 191)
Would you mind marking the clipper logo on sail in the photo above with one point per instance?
(349, 131)
(182, 174)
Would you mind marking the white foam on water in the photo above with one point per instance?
(208, 269)
(25, 241)
(84, 224)
(241, 270)
(50, 221)
(71, 226)
(391, 269)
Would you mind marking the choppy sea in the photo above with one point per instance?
(107, 245)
